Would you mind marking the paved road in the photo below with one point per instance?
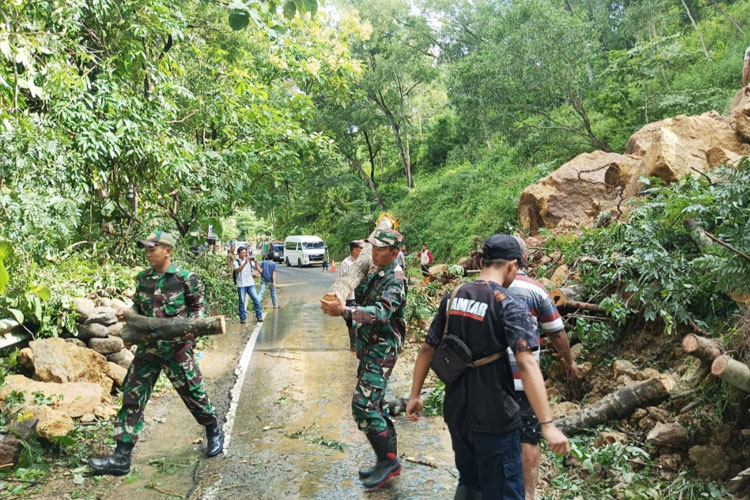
(293, 436)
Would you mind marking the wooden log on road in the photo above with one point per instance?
(346, 283)
(732, 372)
(139, 329)
(618, 404)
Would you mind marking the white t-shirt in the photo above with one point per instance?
(747, 54)
(345, 265)
(245, 277)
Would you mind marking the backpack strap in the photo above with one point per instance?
(448, 308)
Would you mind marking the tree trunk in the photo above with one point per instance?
(701, 347)
(697, 234)
(706, 350)
(695, 26)
(355, 163)
(397, 136)
(726, 14)
(567, 293)
(346, 283)
(732, 372)
(139, 329)
(618, 404)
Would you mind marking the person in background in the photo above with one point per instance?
(401, 259)
(425, 259)
(230, 256)
(268, 279)
(324, 264)
(746, 71)
(546, 319)
(355, 248)
(246, 267)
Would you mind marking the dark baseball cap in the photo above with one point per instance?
(158, 238)
(503, 246)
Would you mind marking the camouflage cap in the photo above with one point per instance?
(385, 238)
(158, 238)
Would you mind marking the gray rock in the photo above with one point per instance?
(94, 330)
(103, 316)
(76, 341)
(115, 329)
(122, 358)
(84, 307)
(10, 450)
(103, 302)
(109, 345)
(119, 305)
(672, 435)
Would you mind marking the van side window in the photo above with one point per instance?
(291, 245)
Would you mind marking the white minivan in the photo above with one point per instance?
(303, 250)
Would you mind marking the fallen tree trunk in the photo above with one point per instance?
(732, 372)
(139, 329)
(706, 350)
(563, 294)
(701, 347)
(584, 306)
(618, 404)
(346, 283)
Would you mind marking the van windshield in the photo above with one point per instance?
(311, 245)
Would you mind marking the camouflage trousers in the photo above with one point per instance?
(143, 373)
(375, 367)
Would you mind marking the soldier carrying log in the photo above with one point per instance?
(163, 291)
(378, 327)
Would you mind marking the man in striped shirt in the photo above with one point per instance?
(547, 320)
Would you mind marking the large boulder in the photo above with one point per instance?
(51, 422)
(84, 307)
(102, 315)
(94, 330)
(576, 193)
(58, 361)
(675, 147)
(71, 398)
(117, 373)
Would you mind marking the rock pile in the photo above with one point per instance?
(99, 329)
(594, 188)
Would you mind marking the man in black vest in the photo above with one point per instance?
(480, 408)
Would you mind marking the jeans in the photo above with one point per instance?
(269, 284)
(242, 291)
(489, 463)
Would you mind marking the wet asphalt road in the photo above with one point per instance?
(294, 436)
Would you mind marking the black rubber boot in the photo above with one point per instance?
(466, 493)
(392, 448)
(214, 440)
(116, 464)
(388, 464)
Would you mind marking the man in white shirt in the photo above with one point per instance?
(355, 248)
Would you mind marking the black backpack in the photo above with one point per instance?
(234, 272)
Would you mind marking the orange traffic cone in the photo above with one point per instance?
(333, 266)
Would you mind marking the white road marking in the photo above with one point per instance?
(239, 373)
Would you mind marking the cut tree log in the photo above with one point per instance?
(618, 404)
(139, 329)
(346, 283)
(563, 294)
(732, 372)
(701, 347)
(561, 301)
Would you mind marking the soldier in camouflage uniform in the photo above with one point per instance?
(163, 291)
(378, 326)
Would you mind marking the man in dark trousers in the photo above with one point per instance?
(379, 329)
(480, 408)
(163, 291)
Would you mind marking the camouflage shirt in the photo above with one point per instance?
(173, 293)
(381, 306)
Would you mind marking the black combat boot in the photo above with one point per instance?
(466, 493)
(214, 440)
(116, 464)
(392, 448)
(388, 464)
